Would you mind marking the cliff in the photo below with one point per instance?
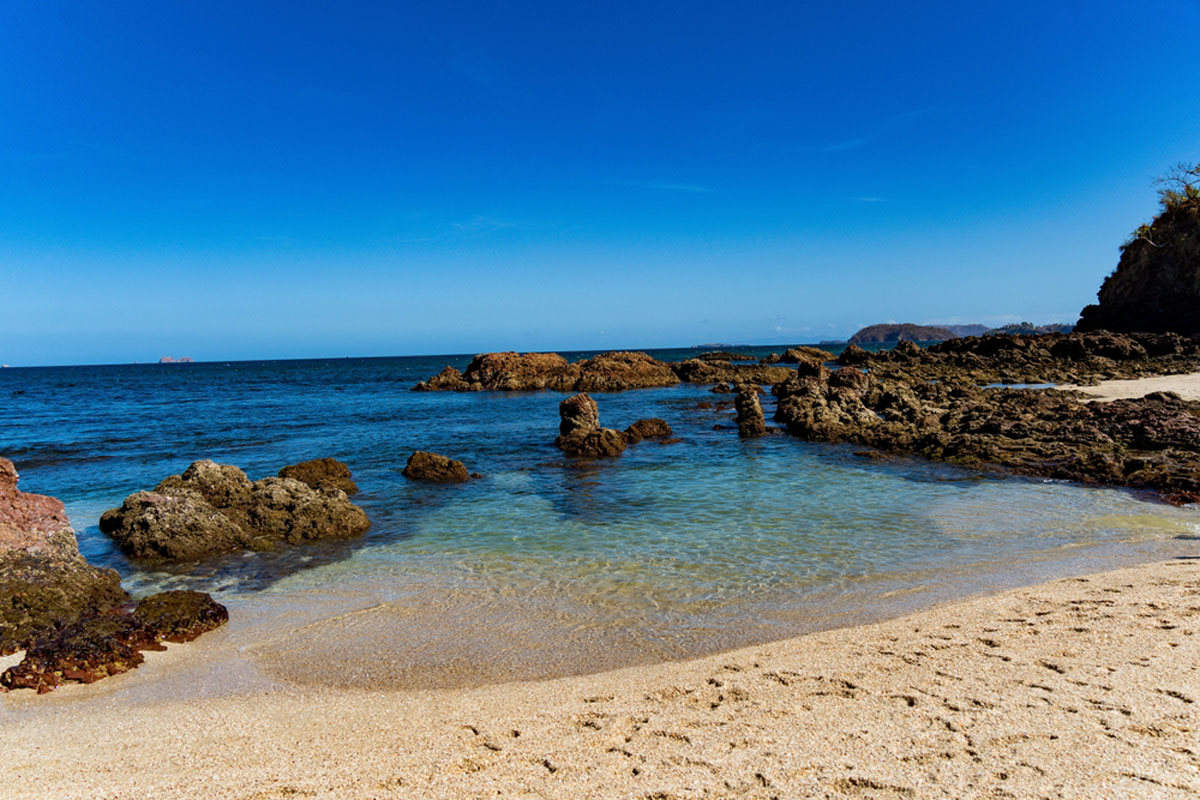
(1156, 286)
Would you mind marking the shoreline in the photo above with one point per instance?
(1186, 385)
(1084, 686)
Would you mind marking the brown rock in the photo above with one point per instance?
(179, 616)
(322, 473)
(653, 428)
(580, 433)
(749, 413)
(426, 466)
(214, 508)
(283, 509)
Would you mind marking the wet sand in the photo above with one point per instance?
(1083, 687)
(1186, 386)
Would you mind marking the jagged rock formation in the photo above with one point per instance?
(906, 331)
(435, 468)
(694, 370)
(1151, 443)
(1079, 358)
(214, 508)
(1156, 286)
(73, 619)
(322, 473)
(750, 420)
(580, 433)
(607, 372)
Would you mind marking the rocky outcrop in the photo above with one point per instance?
(607, 372)
(652, 428)
(806, 355)
(749, 413)
(45, 584)
(73, 619)
(694, 370)
(724, 355)
(580, 433)
(214, 508)
(436, 468)
(1080, 358)
(1156, 286)
(906, 331)
(1151, 443)
(322, 473)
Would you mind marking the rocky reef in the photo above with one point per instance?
(612, 372)
(607, 372)
(73, 619)
(214, 508)
(435, 468)
(1151, 443)
(1080, 358)
(1156, 285)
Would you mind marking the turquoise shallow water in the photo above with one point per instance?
(547, 565)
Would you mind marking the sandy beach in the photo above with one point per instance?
(1186, 386)
(1083, 687)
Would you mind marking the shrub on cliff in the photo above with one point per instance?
(1156, 286)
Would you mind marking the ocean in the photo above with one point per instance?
(546, 565)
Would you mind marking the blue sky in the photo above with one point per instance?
(258, 180)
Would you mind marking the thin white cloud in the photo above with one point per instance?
(889, 125)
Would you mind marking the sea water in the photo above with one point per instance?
(546, 564)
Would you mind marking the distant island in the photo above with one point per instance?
(908, 332)
(173, 360)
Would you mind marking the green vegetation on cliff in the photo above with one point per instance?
(1156, 286)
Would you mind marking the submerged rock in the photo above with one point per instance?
(214, 508)
(322, 473)
(426, 466)
(652, 428)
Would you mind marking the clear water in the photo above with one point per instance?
(546, 565)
